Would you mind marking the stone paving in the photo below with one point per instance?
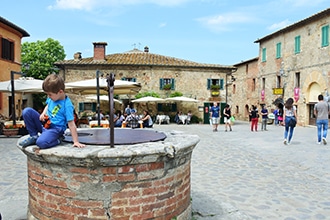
(234, 175)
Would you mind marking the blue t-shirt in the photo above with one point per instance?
(264, 111)
(60, 112)
(215, 111)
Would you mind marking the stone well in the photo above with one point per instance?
(138, 181)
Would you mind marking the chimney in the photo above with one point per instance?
(146, 49)
(77, 56)
(99, 50)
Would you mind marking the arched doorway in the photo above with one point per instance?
(313, 91)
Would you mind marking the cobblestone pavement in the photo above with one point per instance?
(234, 175)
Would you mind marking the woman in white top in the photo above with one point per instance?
(289, 120)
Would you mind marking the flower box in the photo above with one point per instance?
(10, 131)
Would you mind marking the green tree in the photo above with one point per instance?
(38, 58)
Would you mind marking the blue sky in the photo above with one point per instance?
(206, 31)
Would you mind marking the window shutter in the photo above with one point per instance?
(124, 79)
(81, 107)
(221, 83)
(134, 79)
(208, 84)
(172, 84)
(94, 107)
(161, 83)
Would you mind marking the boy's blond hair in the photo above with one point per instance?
(53, 83)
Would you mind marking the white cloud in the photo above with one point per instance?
(224, 22)
(92, 4)
(161, 25)
(279, 25)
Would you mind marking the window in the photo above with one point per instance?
(278, 81)
(297, 44)
(7, 49)
(297, 80)
(87, 106)
(218, 82)
(163, 82)
(263, 55)
(129, 79)
(325, 36)
(278, 50)
(253, 84)
(263, 83)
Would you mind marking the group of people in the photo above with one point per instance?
(215, 117)
(286, 115)
(178, 119)
(130, 118)
(59, 112)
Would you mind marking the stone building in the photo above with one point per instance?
(292, 62)
(10, 60)
(156, 73)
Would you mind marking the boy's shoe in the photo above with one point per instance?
(318, 142)
(28, 141)
(285, 141)
(60, 139)
(324, 141)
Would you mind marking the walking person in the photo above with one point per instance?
(227, 115)
(264, 118)
(254, 118)
(321, 112)
(289, 120)
(215, 116)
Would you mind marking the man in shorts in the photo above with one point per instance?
(215, 116)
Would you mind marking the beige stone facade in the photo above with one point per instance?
(190, 78)
(10, 41)
(295, 59)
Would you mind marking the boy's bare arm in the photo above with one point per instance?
(74, 134)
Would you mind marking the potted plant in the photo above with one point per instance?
(215, 90)
(167, 87)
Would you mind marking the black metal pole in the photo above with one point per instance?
(13, 112)
(98, 97)
(110, 81)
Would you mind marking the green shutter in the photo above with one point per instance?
(209, 81)
(221, 84)
(81, 107)
(263, 55)
(161, 83)
(297, 44)
(278, 50)
(133, 79)
(172, 84)
(325, 36)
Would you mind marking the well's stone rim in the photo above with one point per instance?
(175, 144)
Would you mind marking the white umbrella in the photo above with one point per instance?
(181, 99)
(148, 99)
(89, 86)
(23, 85)
(102, 98)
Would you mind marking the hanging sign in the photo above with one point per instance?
(263, 95)
(277, 91)
(296, 92)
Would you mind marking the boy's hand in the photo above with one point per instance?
(78, 145)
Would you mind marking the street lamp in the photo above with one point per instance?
(12, 81)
